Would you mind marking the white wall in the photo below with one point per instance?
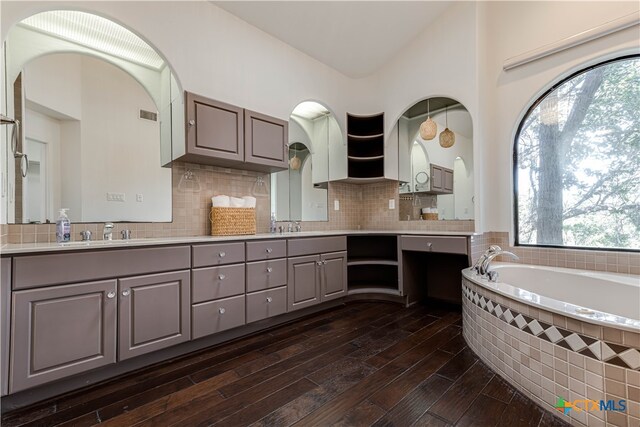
(513, 28)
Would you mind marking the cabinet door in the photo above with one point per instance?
(333, 280)
(5, 321)
(447, 181)
(61, 331)
(154, 313)
(214, 129)
(266, 141)
(303, 281)
(436, 178)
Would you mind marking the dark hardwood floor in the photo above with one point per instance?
(356, 365)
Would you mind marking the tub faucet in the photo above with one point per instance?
(492, 249)
(484, 268)
(107, 231)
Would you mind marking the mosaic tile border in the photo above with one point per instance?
(600, 350)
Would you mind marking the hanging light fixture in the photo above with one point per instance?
(447, 138)
(428, 128)
(295, 161)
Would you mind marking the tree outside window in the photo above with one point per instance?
(577, 161)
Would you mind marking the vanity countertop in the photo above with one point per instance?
(27, 248)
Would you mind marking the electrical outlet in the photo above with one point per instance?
(392, 203)
(139, 198)
(115, 197)
(336, 205)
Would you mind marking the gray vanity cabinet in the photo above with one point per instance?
(214, 131)
(154, 312)
(333, 275)
(266, 141)
(303, 281)
(61, 331)
(5, 321)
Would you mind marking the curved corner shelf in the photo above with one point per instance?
(365, 159)
(371, 261)
(370, 289)
(365, 137)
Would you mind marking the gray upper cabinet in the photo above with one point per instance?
(61, 331)
(214, 131)
(266, 141)
(154, 312)
(441, 180)
(226, 135)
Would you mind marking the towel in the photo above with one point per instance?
(236, 202)
(249, 202)
(220, 202)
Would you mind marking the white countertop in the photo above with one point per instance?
(25, 248)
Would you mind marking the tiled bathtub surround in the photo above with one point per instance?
(548, 356)
(609, 261)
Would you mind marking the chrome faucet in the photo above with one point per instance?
(484, 267)
(126, 234)
(290, 227)
(86, 235)
(298, 227)
(492, 249)
(107, 231)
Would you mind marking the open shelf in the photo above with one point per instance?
(371, 261)
(373, 264)
(378, 288)
(372, 247)
(365, 146)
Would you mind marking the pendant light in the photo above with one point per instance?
(295, 161)
(428, 128)
(447, 138)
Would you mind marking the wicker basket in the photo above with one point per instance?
(232, 221)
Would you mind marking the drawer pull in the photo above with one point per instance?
(221, 276)
(269, 299)
(269, 269)
(318, 263)
(126, 293)
(222, 254)
(111, 295)
(269, 250)
(430, 245)
(221, 310)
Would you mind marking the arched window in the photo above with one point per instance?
(577, 161)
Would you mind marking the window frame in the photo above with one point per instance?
(533, 106)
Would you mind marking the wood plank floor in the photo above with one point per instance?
(359, 364)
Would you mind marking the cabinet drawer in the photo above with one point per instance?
(215, 316)
(266, 274)
(269, 303)
(217, 282)
(218, 254)
(316, 245)
(451, 245)
(270, 249)
(54, 269)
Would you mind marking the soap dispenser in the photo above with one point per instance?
(63, 227)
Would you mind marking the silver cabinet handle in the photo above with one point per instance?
(430, 245)
(222, 254)
(221, 276)
(269, 269)
(221, 310)
(111, 294)
(318, 263)
(269, 299)
(192, 123)
(126, 292)
(324, 262)
(268, 250)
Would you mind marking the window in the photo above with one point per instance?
(577, 161)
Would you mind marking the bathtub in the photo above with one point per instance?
(559, 333)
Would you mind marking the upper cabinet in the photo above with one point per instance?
(226, 135)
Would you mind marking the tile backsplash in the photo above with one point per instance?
(361, 207)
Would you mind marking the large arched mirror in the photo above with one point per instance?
(435, 139)
(300, 193)
(98, 109)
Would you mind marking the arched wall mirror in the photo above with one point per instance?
(300, 193)
(435, 139)
(99, 109)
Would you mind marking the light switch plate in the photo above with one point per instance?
(392, 203)
(336, 205)
(115, 197)
(139, 198)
